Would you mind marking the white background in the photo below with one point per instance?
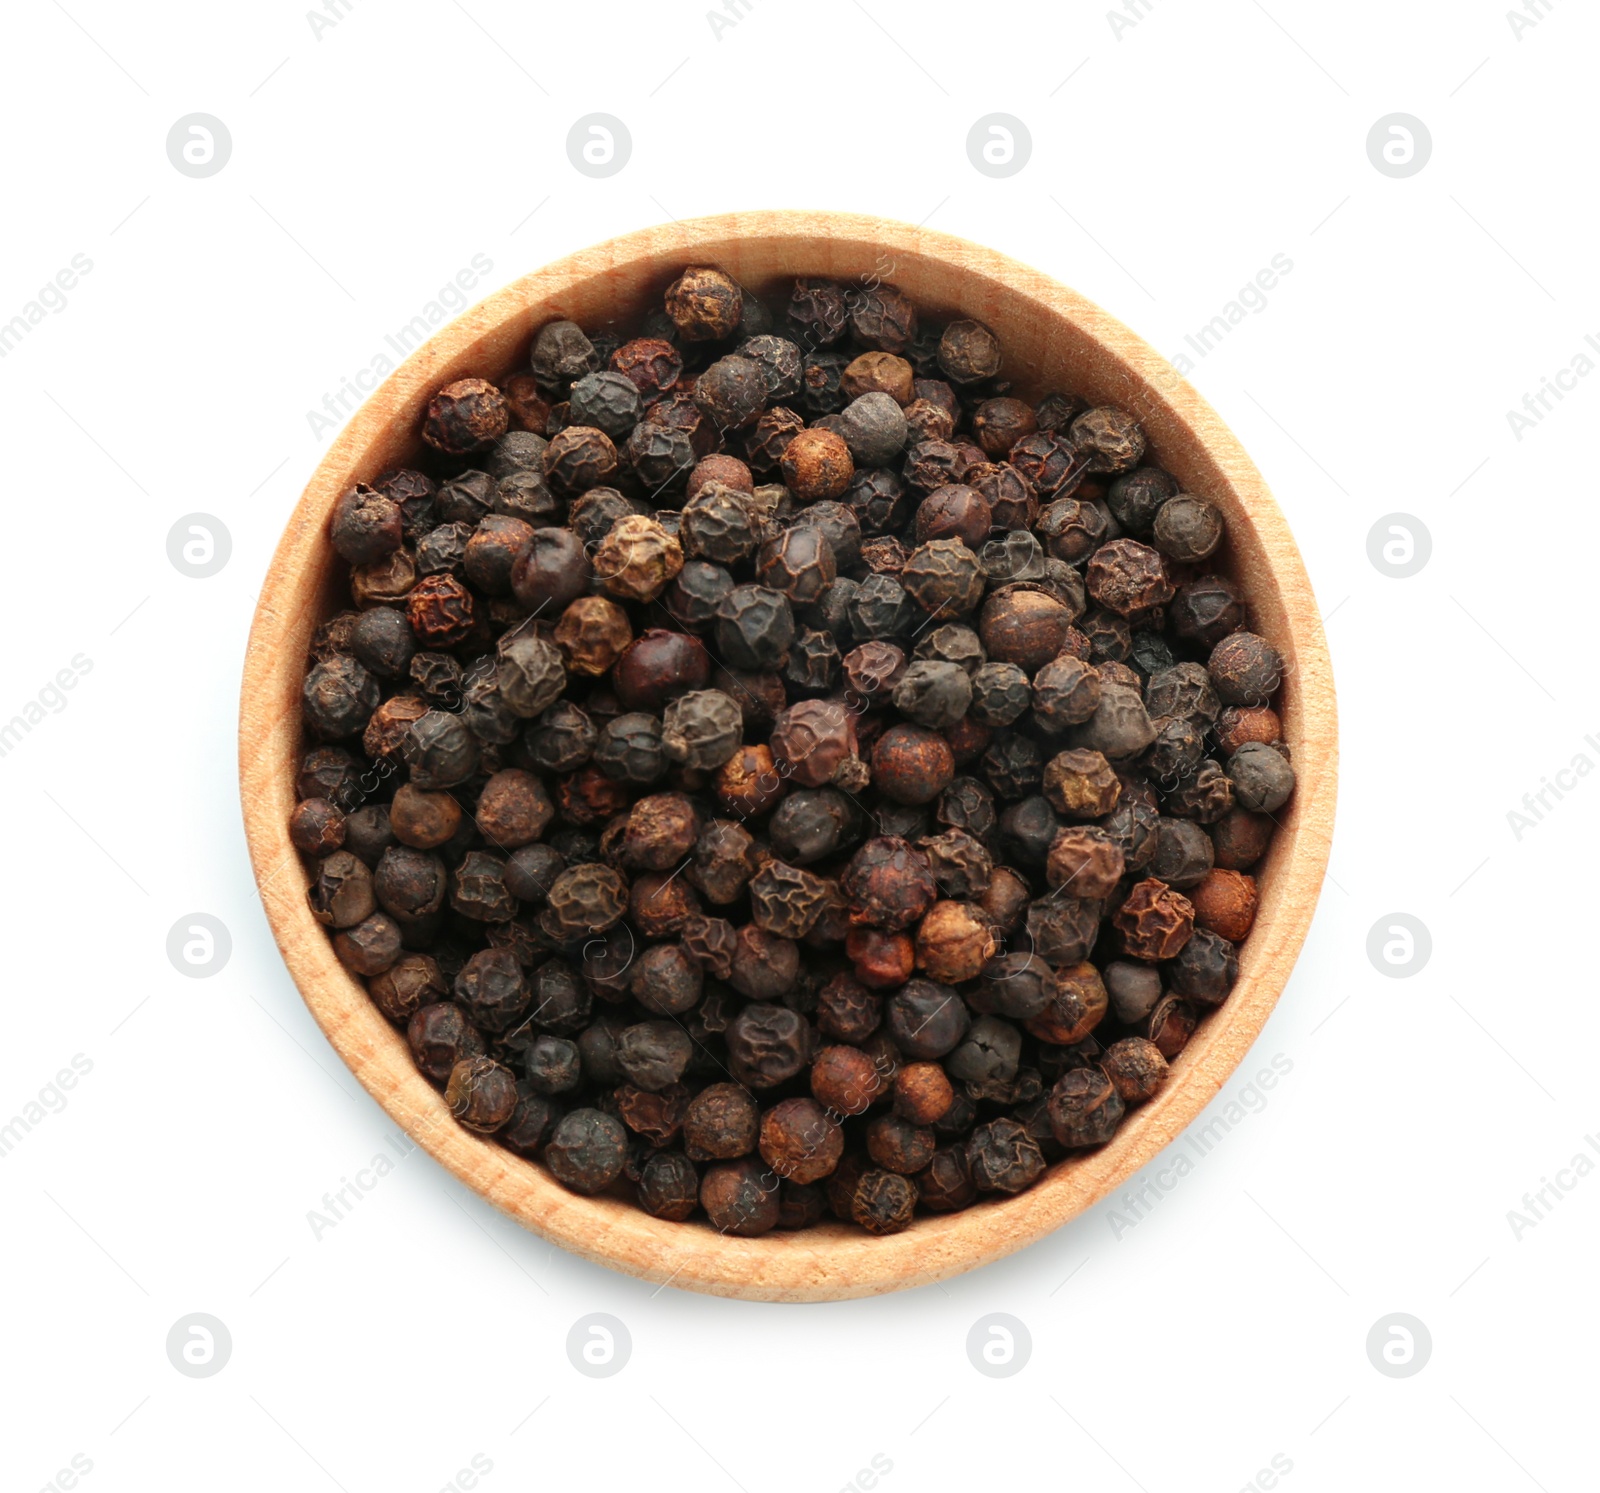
(369, 164)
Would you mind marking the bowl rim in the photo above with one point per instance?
(828, 1262)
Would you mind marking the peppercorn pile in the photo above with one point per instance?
(771, 769)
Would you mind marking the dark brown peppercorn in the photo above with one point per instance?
(741, 1198)
(440, 1037)
(481, 1094)
(586, 1151)
(1085, 1108)
(1025, 626)
(705, 304)
(847, 1011)
(721, 1123)
(1155, 922)
(316, 827)
(799, 1141)
(846, 1080)
(370, 947)
(465, 416)
(668, 1186)
(1108, 439)
(767, 1044)
(1136, 1069)
(1241, 839)
(1128, 577)
(883, 1202)
(1246, 669)
(911, 764)
(1003, 1157)
(969, 352)
(411, 982)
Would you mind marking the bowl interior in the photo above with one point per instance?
(1053, 339)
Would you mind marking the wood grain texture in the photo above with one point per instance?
(1052, 338)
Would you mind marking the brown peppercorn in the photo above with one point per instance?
(1241, 839)
(898, 1145)
(812, 740)
(911, 764)
(922, 1093)
(411, 982)
(1170, 1025)
(1225, 902)
(748, 783)
(1048, 464)
(513, 809)
(722, 1122)
(660, 904)
(340, 894)
(846, 1080)
(1136, 1069)
(764, 966)
(1066, 692)
(954, 511)
(592, 634)
(1155, 922)
(883, 317)
(797, 563)
(1076, 1003)
(799, 1141)
(882, 960)
(968, 352)
(1000, 423)
(872, 670)
(423, 820)
(1084, 1108)
(578, 458)
(883, 1202)
(1127, 577)
(661, 833)
(721, 468)
(316, 827)
(1108, 440)
(847, 1011)
(440, 611)
(1085, 861)
(888, 885)
(741, 1198)
(953, 943)
(387, 582)
(666, 981)
(1239, 724)
(1081, 784)
(724, 860)
(465, 416)
(637, 559)
(651, 364)
(705, 304)
(525, 403)
(481, 1094)
(1005, 901)
(817, 465)
(589, 796)
(1245, 668)
(878, 373)
(370, 947)
(1023, 625)
(711, 943)
(785, 900)
(1003, 1157)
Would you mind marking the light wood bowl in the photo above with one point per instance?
(1053, 338)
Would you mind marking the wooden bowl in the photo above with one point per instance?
(1053, 338)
